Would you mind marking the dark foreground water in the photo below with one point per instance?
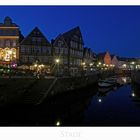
(91, 106)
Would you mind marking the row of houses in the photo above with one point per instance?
(66, 52)
(117, 61)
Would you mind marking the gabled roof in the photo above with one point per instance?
(8, 23)
(69, 34)
(59, 37)
(37, 34)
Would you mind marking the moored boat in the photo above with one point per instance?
(107, 82)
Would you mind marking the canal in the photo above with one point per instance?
(91, 106)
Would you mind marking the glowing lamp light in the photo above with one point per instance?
(124, 79)
(83, 63)
(35, 65)
(42, 65)
(39, 66)
(133, 95)
(99, 100)
(133, 62)
(124, 65)
(99, 63)
(91, 64)
(58, 123)
(57, 60)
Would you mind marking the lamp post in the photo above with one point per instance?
(57, 62)
(133, 65)
(83, 68)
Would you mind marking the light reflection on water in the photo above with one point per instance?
(91, 106)
(120, 107)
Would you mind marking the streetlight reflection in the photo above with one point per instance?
(99, 100)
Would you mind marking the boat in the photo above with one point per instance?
(109, 82)
(104, 84)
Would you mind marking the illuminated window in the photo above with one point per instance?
(7, 54)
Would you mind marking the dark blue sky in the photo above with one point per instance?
(116, 29)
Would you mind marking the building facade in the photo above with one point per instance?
(115, 61)
(60, 55)
(107, 58)
(65, 53)
(35, 48)
(75, 43)
(89, 59)
(9, 42)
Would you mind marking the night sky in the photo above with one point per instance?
(116, 29)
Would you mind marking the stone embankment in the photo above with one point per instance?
(34, 91)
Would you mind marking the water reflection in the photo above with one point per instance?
(92, 106)
(99, 100)
(62, 110)
(123, 80)
(135, 95)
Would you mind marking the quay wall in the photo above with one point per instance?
(66, 84)
(31, 91)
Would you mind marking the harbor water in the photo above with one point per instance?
(91, 106)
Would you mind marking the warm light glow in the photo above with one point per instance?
(99, 63)
(103, 64)
(57, 60)
(91, 64)
(57, 123)
(133, 62)
(133, 95)
(124, 79)
(83, 63)
(8, 54)
(42, 65)
(39, 66)
(35, 65)
(9, 37)
(124, 65)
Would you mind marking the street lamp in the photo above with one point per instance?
(91, 64)
(35, 65)
(83, 63)
(57, 62)
(132, 65)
